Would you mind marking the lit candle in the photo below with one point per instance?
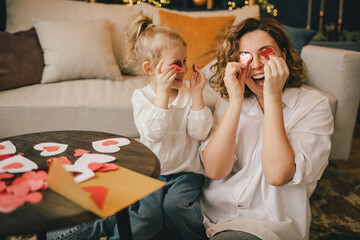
(309, 14)
(340, 10)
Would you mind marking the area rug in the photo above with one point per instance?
(335, 206)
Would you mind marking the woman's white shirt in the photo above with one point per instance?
(244, 200)
(173, 134)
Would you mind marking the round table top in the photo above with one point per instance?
(55, 211)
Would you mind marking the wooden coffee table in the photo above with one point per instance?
(55, 211)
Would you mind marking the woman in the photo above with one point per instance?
(270, 141)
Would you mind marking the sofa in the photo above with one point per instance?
(62, 67)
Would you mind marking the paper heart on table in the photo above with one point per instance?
(7, 147)
(110, 145)
(17, 164)
(50, 148)
(82, 165)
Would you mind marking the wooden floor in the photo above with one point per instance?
(353, 164)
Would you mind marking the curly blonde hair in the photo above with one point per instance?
(146, 41)
(228, 50)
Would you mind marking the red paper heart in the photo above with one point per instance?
(80, 152)
(6, 175)
(51, 148)
(98, 194)
(33, 197)
(95, 166)
(2, 186)
(108, 167)
(266, 53)
(9, 202)
(178, 69)
(18, 189)
(13, 165)
(245, 57)
(2, 146)
(109, 142)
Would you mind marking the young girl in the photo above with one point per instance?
(270, 141)
(172, 119)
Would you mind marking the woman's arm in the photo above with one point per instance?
(278, 160)
(219, 154)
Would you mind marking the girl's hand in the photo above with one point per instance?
(276, 74)
(165, 78)
(197, 79)
(234, 80)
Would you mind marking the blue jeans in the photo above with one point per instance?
(232, 234)
(172, 212)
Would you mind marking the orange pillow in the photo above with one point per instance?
(200, 34)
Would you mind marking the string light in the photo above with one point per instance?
(263, 4)
(156, 3)
(232, 4)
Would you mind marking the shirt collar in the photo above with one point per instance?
(289, 96)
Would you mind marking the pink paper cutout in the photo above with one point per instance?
(108, 167)
(95, 166)
(34, 197)
(80, 152)
(6, 176)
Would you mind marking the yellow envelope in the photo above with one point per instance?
(122, 188)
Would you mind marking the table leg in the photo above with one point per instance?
(41, 236)
(123, 222)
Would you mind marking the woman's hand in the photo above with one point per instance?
(164, 78)
(197, 79)
(276, 74)
(234, 80)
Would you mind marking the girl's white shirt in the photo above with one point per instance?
(173, 134)
(244, 200)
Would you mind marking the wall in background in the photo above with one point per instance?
(294, 12)
(290, 12)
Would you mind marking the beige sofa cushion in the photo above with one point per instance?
(20, 13)
(76, 49)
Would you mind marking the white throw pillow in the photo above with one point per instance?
(239, 13)
(76, 50)
(20, 13)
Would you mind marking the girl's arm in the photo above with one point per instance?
(278, 160)
(164, 80)
(218, 156)
(197, 84)
(152, 122)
